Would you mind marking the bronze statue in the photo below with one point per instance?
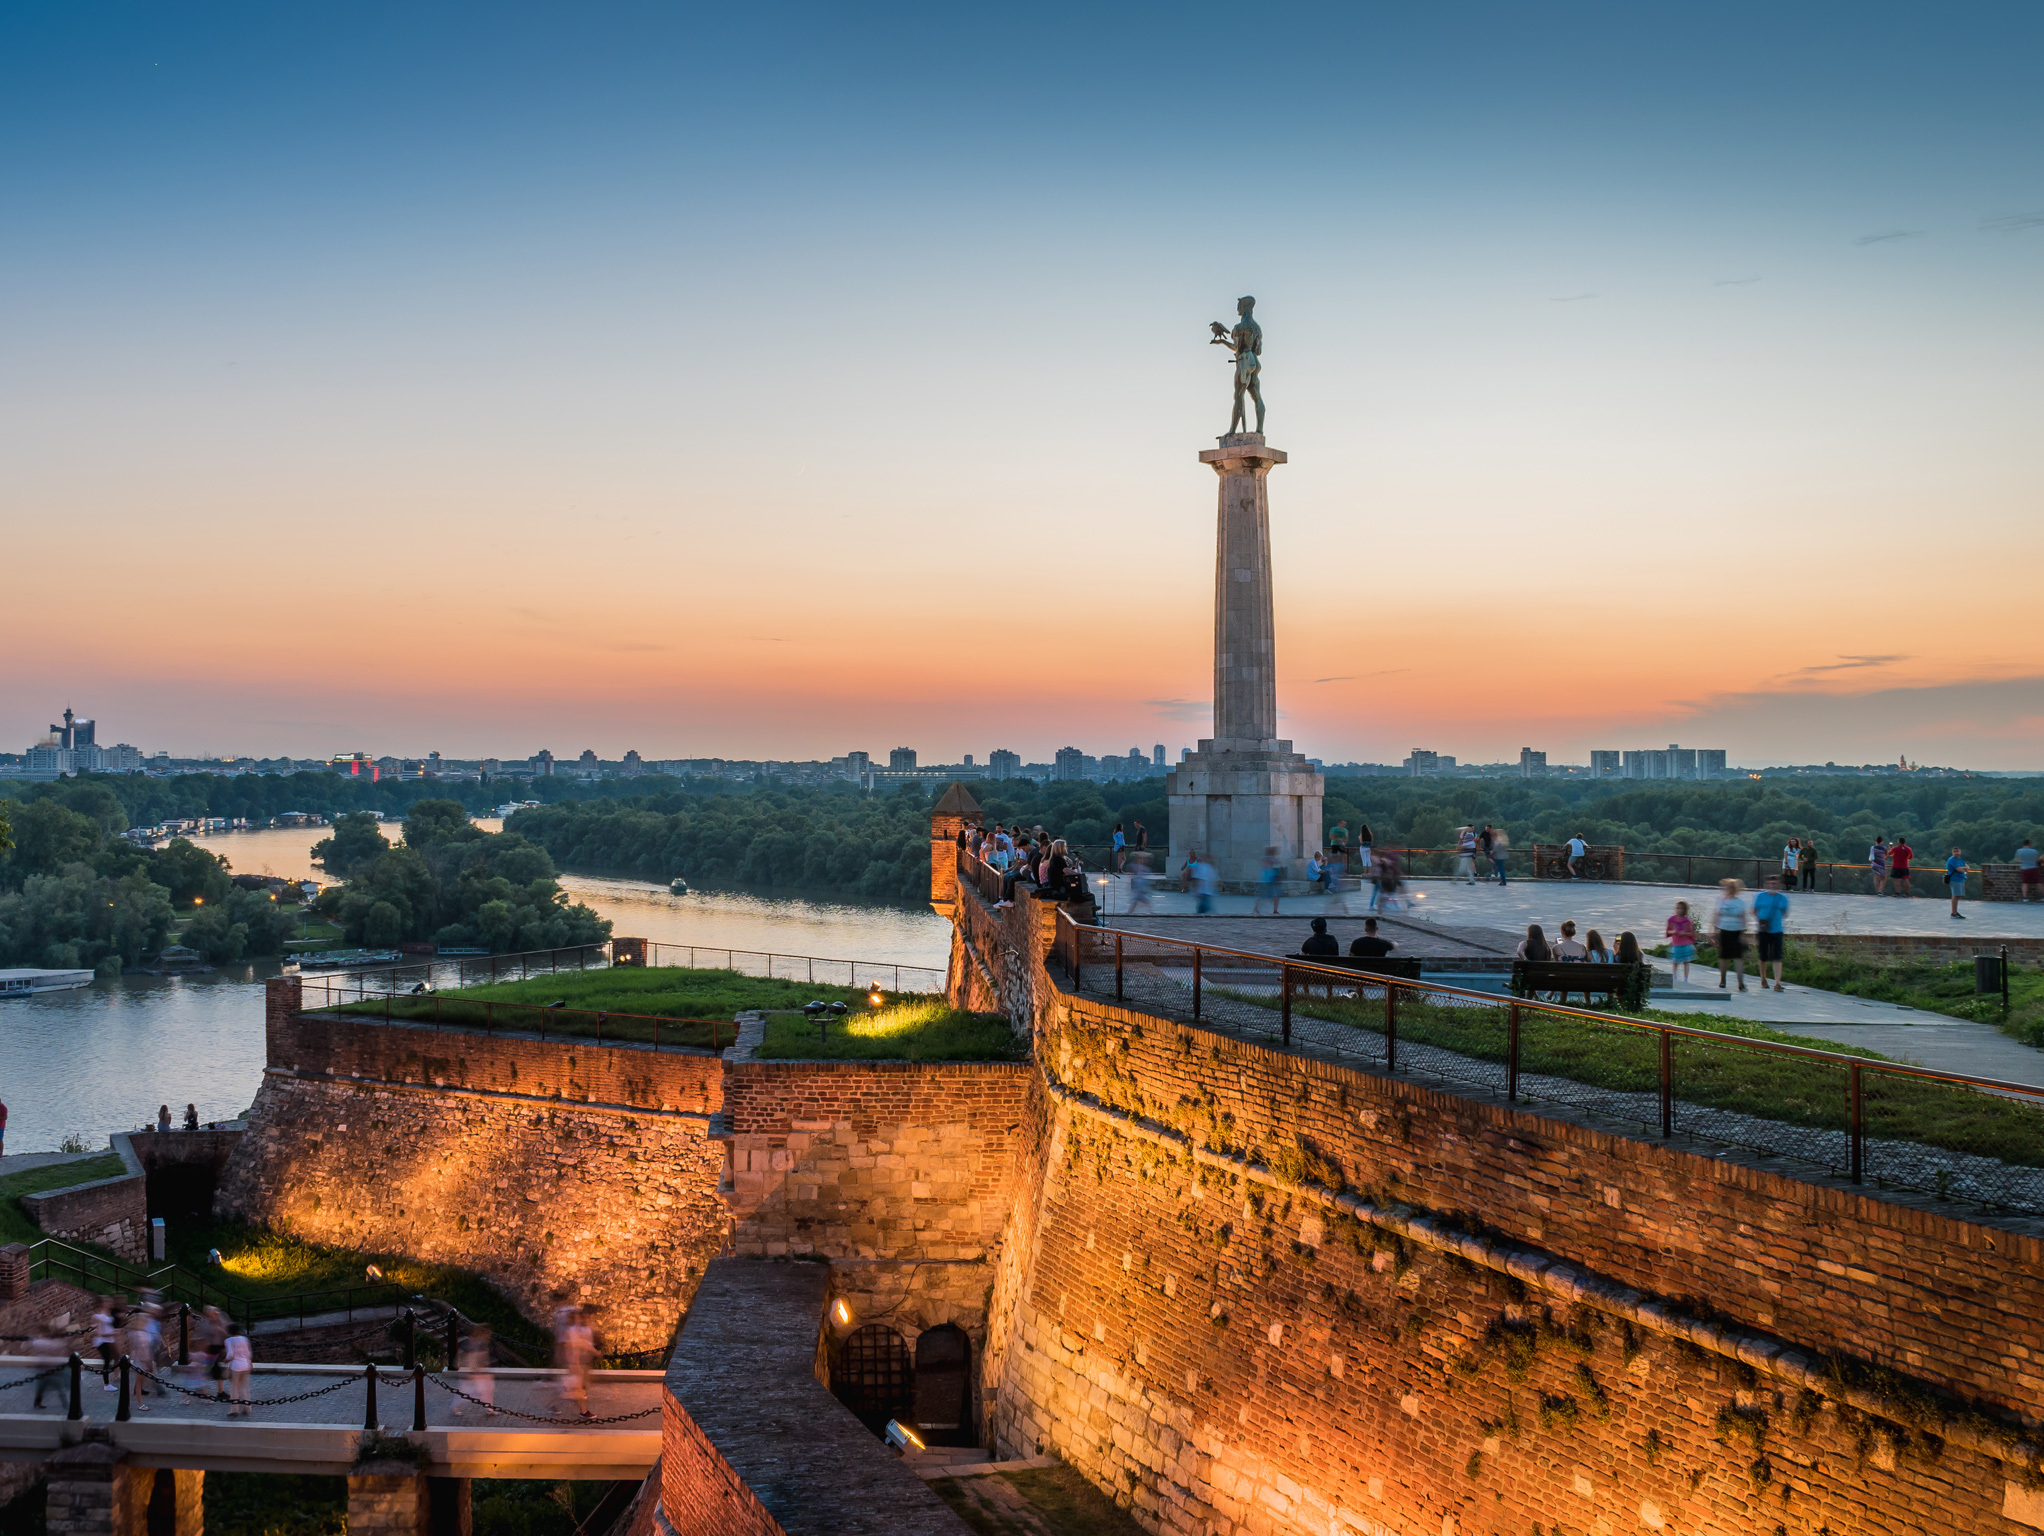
(1245, 346)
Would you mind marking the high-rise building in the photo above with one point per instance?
(1532, 765)
(902, 759)
(1681, 762)
(634, 765)
(74, 732)
(1069, 764)
(542, 764)
(1710, 762)
(586, 763)
(1422, 763)
(1157, 758)
(1003, 764)
(1603, 764)
(968, 759)
(857, 766)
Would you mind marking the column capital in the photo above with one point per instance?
(1242, 451)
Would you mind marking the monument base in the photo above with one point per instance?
(1233, 799)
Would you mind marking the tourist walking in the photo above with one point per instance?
(1500, 846)
(1806, 861)
(240, 1365)
(144, 1334)
(1465, 854)
(212, 1361)
(104, 1337)
(1142, 838)
(574, 1348)
(1337, 840)
(1731, 927)
(1899, 855)
(1139, 884)
(1877, 864)
(1390, 878)
(1206, 880)
(1680, 931)
(1576, 849)
(2028, 871)
(1120, 848)
(1770, 923)
(1955, 881)
(1267, 883)
(476, 1379)
(49, 1349)
(1791, 860)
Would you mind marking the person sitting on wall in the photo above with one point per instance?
(1321, 942)
(1369, 946)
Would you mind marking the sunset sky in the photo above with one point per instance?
(782, 380)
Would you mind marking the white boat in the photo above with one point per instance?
(26, 983)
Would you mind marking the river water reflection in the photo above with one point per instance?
(102, 1058)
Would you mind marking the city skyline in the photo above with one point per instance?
(1644, 378)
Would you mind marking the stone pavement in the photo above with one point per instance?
(1614, 907)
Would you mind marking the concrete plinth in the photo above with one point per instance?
(1245, 790)
(93, 1491)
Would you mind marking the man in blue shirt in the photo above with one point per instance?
(1955, 881)
(1770, 916)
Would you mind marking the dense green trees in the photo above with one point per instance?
(356, 840)
(452, 883)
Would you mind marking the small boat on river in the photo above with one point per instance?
(678, 888)
(27, 982)
(342, 959)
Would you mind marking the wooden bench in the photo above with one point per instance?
(1406, 969)
(1532, 977)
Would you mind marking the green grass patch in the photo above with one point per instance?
(916, 1031)
(260, 1262)
(15, 1224)
(663, 992)
(1058, 1501)
(1715, 1071)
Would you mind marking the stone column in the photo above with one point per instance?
(389, 1498)
(14, 1267)
(93, 1492)
(1245, 637)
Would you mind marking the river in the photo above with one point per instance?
(100, 1059)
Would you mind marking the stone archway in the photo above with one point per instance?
(943, 1386)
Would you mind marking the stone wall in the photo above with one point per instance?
(502, 1156)
(1229, 1353)
(111, 1213)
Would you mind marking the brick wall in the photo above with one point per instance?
(342, 1045)
(501, 1156)
(112, 1213)
(1226, 1356)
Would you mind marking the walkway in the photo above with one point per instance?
(1642, 908)
(322, 1434)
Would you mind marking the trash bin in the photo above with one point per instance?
(1987, 975)
(159, 1246)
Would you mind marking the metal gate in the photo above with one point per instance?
(873, 1376)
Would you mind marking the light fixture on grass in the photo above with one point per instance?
(874, 996)
(902, 1438)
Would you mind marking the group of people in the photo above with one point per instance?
(1888, 866)
(163, 1117)
(1032, 856)
(1766, 915)
(1590, 949)
(220, 1353)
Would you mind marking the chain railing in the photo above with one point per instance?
(1944, 1134)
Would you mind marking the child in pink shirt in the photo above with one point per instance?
(1681, 932)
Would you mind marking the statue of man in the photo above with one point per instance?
(1245, 345)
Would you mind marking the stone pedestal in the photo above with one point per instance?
(93, 1491)
(1245, 790)
(389, 1498)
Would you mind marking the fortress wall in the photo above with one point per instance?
(569, 1067)
(1230, 1357)
(903, 1175)
(370, 1136)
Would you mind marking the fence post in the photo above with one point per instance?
(1858, 1127)
(184, 1334)
(121, 1404)
(411, 1327)
(453, 1336)
(1285, 1007)
(369, 1408)
(1195, 981)
(1117, 964)
(599, 1025)
(1390, 1025)
(1667, 1083)
(419, 1398)
(2004, 978)
(77, 1408)
(1512, 1054)
(1078, 949)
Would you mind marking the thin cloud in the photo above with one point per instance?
(2012, 223)
(1181, 709)
(1734, 282)
(1889, 234)
(1350, 677)
(1347, 677)
(1854, 663)
(1571, 298)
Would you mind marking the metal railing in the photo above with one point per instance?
(803, 968)
(476, 970)
(1940, 1133)
(53, 1259)
(436, 1010)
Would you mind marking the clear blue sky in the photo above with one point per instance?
(622, 376)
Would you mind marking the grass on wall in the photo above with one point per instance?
(925, 1030)
(670, 992)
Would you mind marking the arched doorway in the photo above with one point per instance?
(943, 1384)
(873, 1376)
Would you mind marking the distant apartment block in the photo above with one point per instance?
(542, 764)
(1157, 756)
(1422, 763)
(1070, 763)
(1003, 764)
(902, 760)
(1532, 765)
(1605, 765)
(1674, 762)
